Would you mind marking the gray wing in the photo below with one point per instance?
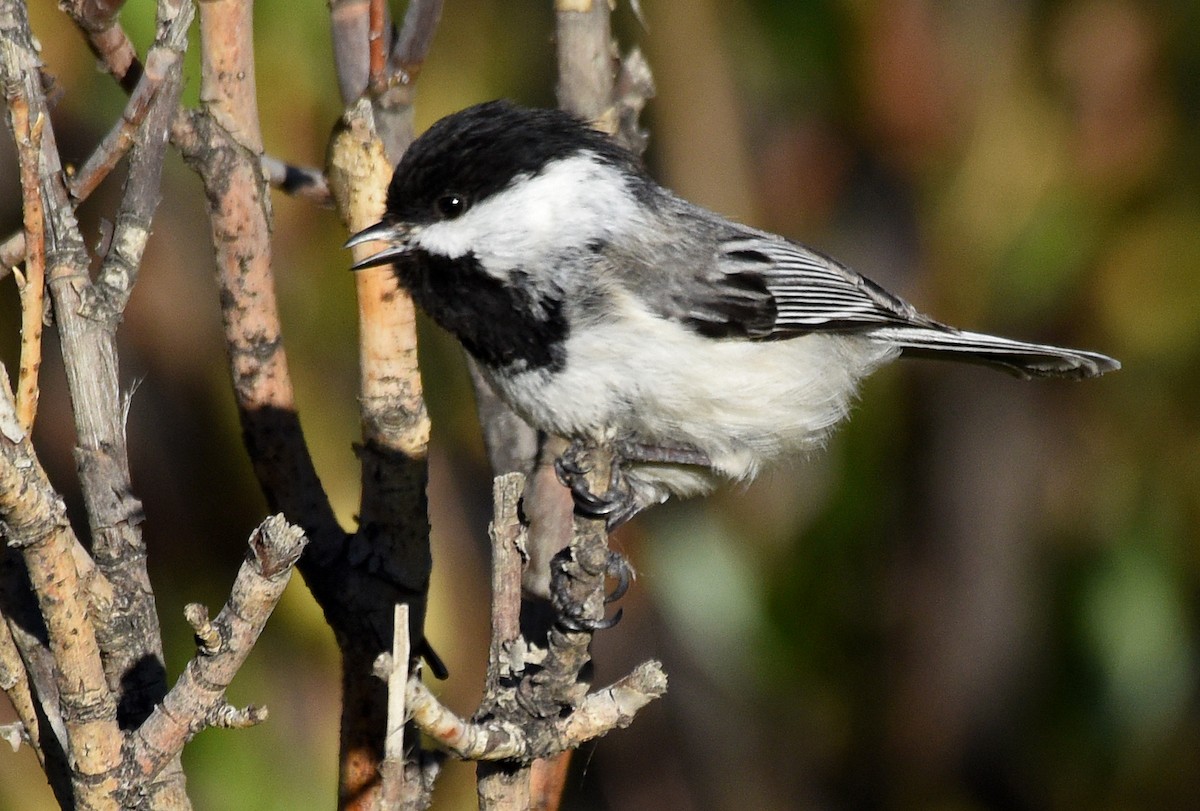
(793, 290)
(768, 288)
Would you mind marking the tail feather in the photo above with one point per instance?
(1016, 357)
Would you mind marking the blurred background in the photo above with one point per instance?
(983, 595)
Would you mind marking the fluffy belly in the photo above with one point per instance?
(742, 403)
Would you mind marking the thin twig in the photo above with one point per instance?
(14, 681)
(392, 769)
(298, 181)
(99, 21)
(416, 37)
(31, 284)
(110, 293)
(504, 785)
(197, 699)
(377, 23)
(597, 714)
(161, 65)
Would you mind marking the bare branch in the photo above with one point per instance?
(536, 704)
(392, 769)
(378, 21)
(598, 714)
(162, 65)
(228, 91)
(14, 681)
(350, 22)
(198, 698)
(393, 535)
(35, 522)
(298, 181)
(110, 293)
(586, 58)
(127, 628)
(491, 740)
(99, 21)
(502, 786)
(223, 145)
(28, 137)
(416, 37)
(25, 626)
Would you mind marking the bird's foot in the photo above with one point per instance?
(617, 505)
(617, 568)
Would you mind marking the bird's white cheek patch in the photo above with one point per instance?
(569, 202)
(452, 239)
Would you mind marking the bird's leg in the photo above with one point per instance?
(639, 452)
(619, 503)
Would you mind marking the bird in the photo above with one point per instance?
(605, 309)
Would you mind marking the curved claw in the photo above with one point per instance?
(571, 472)
(591, 504)
(568, 467)
(580, 625)
(618, 567)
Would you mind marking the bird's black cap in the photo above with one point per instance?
(479, 151)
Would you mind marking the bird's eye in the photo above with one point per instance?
(451, 205)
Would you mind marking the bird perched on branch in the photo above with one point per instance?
(605, 309)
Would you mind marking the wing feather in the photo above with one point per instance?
(769, 288)
(810, 291)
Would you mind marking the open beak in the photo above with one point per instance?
(394, 235)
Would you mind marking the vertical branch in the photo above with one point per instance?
(586, 67)
(126, 631)
(393, 101)
(34, 665)
(416, 37)
(87, 318)
(393, 533)
(504, 785)
(31, 284)
(35, 523)
(594, 85)
(392, 792)
(14, 681)
(351, 28)
(223, 145)
(377, 24)
(586, 57)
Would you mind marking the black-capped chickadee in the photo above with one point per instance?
(606, 310)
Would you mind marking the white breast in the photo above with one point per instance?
(742, 403)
